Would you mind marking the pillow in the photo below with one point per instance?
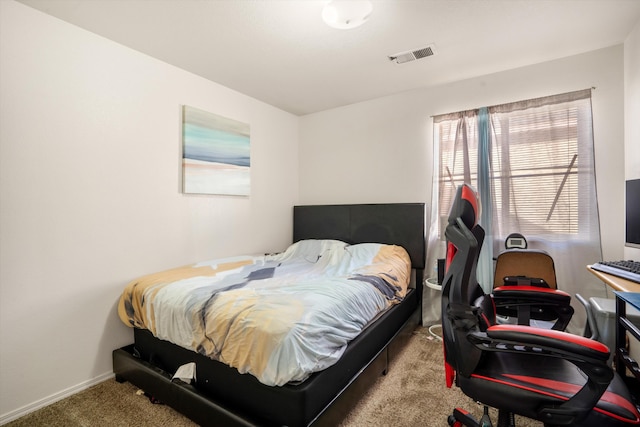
(310, 249)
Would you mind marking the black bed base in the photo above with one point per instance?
(320, 401)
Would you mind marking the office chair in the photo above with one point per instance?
(519, 269)
(547, 375)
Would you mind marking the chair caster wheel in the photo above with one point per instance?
(451, 420)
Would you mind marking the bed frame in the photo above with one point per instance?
(222, 396)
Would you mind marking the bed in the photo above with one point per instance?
(221, 395)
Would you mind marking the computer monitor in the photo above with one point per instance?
(632, 213)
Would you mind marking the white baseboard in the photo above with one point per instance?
(20, 412)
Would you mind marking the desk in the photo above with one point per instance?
(627, 292)
(617, 283)
(622, 357)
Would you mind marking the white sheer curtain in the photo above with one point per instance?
(455, 154)
(538, 179)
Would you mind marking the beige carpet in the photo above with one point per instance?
(413, 393)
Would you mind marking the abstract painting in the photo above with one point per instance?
(215, 154)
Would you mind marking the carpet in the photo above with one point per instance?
(413, 393)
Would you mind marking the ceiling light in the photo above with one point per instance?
(346, 14)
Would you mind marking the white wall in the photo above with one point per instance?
(632, 114)
(381, 150)
(90, 195)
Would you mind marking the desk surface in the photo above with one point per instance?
(617, 283)
(632, 298)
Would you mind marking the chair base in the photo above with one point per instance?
(461, 418)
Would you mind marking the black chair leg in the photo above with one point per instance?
(462, 418)
(485, 421)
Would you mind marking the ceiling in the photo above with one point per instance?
(282, 53)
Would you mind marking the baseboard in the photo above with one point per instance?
(20, 412)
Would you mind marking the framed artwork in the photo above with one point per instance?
(215, 154)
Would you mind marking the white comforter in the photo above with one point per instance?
(279, 317)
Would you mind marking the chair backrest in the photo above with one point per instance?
(460, 288)
(463, 247)
(530, 263)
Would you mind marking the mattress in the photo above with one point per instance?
(225, 397)
(278, 317)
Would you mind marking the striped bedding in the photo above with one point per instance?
(278, 317)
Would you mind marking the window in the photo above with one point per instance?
(536, 170)
(532, 163)
(535, 164)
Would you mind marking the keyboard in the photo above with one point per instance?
(629, 270)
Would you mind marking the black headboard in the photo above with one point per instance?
(400, 224)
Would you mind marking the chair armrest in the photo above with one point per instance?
(588, 355)
(527, 302)
(554, 341)
(533, 292)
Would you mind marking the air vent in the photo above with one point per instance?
(412, 55)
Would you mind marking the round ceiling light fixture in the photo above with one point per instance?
(346, 14)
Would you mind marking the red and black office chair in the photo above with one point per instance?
(547, 375)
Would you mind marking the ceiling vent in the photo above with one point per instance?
(412, 55)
